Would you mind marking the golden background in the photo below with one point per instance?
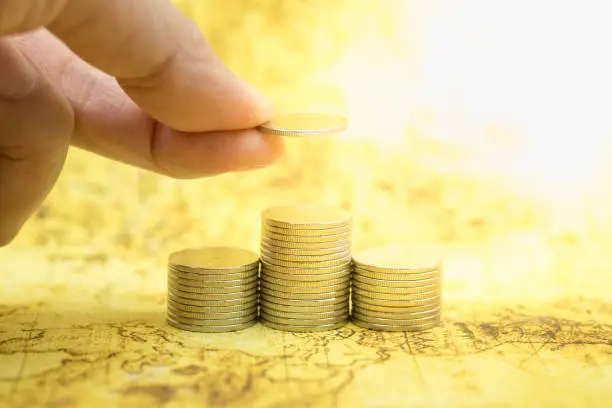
(486, 141)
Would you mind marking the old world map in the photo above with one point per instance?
(527, 295)
(67, 343)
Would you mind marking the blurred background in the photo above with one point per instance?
(480, 128)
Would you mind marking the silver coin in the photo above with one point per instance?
(395, 328)
(402, 271)
(306, 220)
(304, 322)
(342, 280)
(394, 296)
(306, 217)
(213, 259)
(300, 260)
(211, 307)
(210, 277)
(210, 271)
(210, 329)
(312, 246)
(304, 289)
(269, 293)
(305, 302)
(391, 290)
(195, 299)
(397, 275)
(309, 223)
(240, 297)
(396, 283)
(337, 307)
(302, 278)
(297, 231)
(211, 322)
(210, 315)
(314, 254)
(303, 329)
(398, 258)
(235, 291)
(305, 258)
(339, 239)
(368, 308)
(314, 263)
(364, 314)
(342, 229)
(407, 277)
(302, 124)
(219, 286)
(274, 249)
(399, 322)
(358, 299)
(313, 270)
(265, 311)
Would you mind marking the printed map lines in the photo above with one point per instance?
(415, 362)
(167, 364)
(18, 378)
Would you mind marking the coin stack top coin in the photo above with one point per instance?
(305, 268)
(212, 289)
(395, 288)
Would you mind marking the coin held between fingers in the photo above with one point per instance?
(304, 124)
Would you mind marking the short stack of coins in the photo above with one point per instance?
(305, 268)
(396, 289)
(212, 289)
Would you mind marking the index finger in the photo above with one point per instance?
(159, 57)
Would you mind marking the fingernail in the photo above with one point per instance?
(18, 76)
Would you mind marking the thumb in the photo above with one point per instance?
(35, 127)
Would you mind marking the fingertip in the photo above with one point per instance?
(267, 150)
(252, 150)
(191, 155)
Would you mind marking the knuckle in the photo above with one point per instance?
(153, 77)
(40, 134)
(19, 79)
(30, 108)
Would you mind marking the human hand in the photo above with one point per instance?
(131, 80)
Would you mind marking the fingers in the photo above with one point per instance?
(185, 156)
(157, 54)
(110, 124)
(35, 127)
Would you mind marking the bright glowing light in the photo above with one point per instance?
(540, 66)
(380, 93)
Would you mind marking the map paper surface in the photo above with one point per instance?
(526, 229)
(107, 344)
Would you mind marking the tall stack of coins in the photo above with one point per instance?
(396, 289)
(305, 268)
(212, 289)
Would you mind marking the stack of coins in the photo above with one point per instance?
(396, 289)
(305, 268)
(212, 289)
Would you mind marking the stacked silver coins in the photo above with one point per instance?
(305, 268)
(212, 289)
(396, 289)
